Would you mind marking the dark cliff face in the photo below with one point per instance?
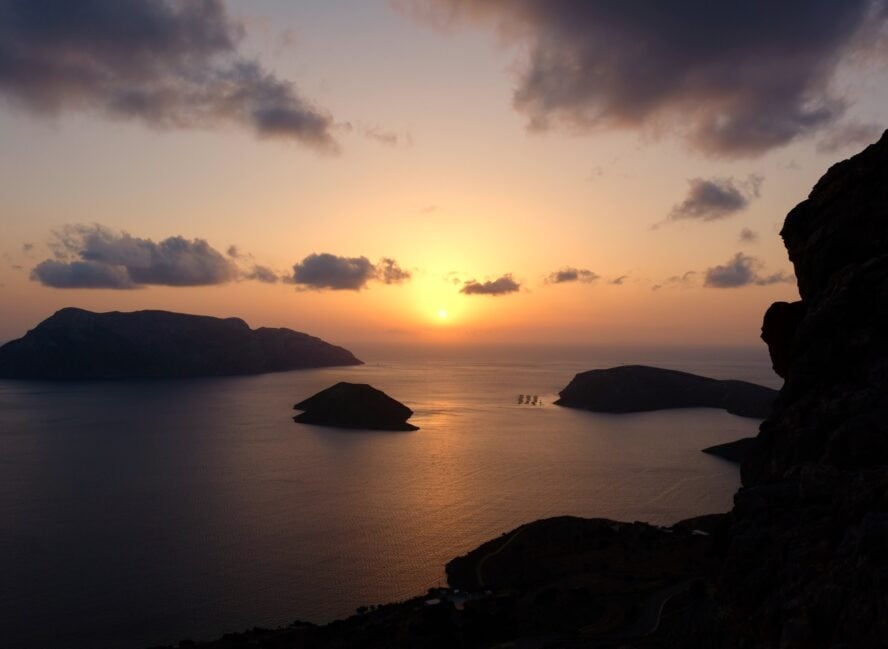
(805, 562)
(79, 344)
(832, 346)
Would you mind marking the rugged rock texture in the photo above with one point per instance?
(805, 562)
(78, 344)
(354, 405)
(637, 388)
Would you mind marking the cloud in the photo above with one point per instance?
(735, 79)
(92, 256)
(320, 271)
(81, 274)
(715, 198)
(748, 236)
(685, 280)
(326, 271)
(388, 272)
(569, 274)
(845, 136)
(167, 63)
(262, 274)
(500, 286)
(741, 270)
(618, 281)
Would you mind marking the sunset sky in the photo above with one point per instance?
(425, 170)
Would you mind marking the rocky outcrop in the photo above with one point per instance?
(354, 405)
(832, 346)
(638, 388)
(804, 562)
(79, 344)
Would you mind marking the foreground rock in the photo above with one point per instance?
(354, 405)
(638, 388)
(806, 561)
(78, 344)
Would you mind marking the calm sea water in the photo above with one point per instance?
(144, 512)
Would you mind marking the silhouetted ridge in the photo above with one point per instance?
(638, 388)
(354, 405)
(78, 344)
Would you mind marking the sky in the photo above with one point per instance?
(444, 171)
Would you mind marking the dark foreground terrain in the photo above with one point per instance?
(79, 344)
(799, 563)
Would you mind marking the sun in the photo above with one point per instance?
(442, 314)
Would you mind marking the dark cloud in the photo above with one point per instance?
(748, 236)
(81, 274)
(618, 281)
(845, 136)
(262, 274)
(326, 271)
(27, 247)
(97, 257)
(569, 274)
(388, 272)
(168, 63)
(715, 198)
(234, 252)
(741, 270)
(501, 286)
(738, 78)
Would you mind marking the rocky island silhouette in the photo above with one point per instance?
(79, 344)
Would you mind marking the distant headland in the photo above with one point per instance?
(79, 344)
(639, 388)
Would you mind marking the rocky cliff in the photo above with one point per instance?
(805, 562)
(79, 344)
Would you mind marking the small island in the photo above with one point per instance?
(79, 344)
(354, 405)
(639, 388)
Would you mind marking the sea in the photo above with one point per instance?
(144, 512)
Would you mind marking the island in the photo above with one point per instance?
(639, 388)
(354, 405)
(79, 344)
